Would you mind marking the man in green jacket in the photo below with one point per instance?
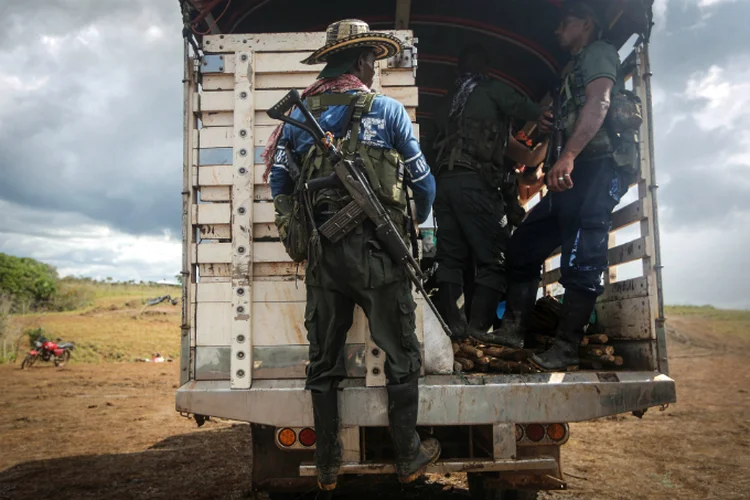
(473, 223)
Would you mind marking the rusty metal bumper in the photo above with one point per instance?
(444, 399)
(443, 467)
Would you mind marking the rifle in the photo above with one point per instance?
(350, 177)
(556, 134)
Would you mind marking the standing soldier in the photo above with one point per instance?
(586, 183)
(473, 225)
(376, 131)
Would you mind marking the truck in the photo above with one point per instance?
(243, 339)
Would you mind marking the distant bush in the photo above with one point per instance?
(29, 282)
(72, 295)
(34, 334)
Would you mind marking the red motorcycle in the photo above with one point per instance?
(47, 350)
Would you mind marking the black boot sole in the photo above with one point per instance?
(419, 472)
(542, 369)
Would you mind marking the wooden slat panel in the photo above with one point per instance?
(265, 231)
(279, 291)
(212, 213)
(214, 253)
(408, 96)
(217, 137)
(213, 292)
(220, 175)
(264, 213)
(268, 81)
(263, 133)
(628, 252)
(271, 270)
(630, 214)
(626, 319)
(627, 289)
(215, 193)
(217, 119)
(261, 118)
(216, 232)
(396, 77)
(217, 101)
(262, 192)
(214, 271)
(213, 323)
(288, 62)
(217, 82)
(276, 42)
(270, 252)
(266, 99)
(551, 277)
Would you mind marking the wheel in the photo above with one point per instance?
(480, 492)
(28, 361)
(61, 360)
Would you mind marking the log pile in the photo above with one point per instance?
(596, 352)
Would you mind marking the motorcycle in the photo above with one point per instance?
(47, 350)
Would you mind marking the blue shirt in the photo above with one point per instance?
(386, 126)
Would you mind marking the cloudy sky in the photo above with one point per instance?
(90, 140)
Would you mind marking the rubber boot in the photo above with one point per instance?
(412, 454)
(328, 445)
(575, 314)
(449, 295)
(519, 305)
(483, 312)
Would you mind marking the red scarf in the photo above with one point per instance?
(338, 85)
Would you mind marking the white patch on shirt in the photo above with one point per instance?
(370, 128)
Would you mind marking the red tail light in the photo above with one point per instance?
(535, 432)
(307, 437)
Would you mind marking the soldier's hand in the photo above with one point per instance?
(546, 121)
(559, 177)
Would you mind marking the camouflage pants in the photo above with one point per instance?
(358, 271)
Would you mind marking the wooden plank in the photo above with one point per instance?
(219, 175)
(263, 192)
(217, 119)
(212, 213)
(630, 214)
(276, 42)
(626, 319)
(264, 213)
(408, 96)
(217, 137)
(212, 292)
(216, 232)
(397, 77)
(217, 82)
(628, 252)
(273, 270)
(268, 81)
(279, 291)
(263, 133)
(551, 277)
(214, 271)
(217, 101)
(214, 253)
(626, 289)
(215, 193)
(270, 251)
(261, 118)
(286, 62)
(265, 232)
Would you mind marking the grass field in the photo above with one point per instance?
(113, 328)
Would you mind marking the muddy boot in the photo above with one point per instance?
(519, 305)
(328, 446)
(483, 312)
(575, 314)
(412, 454)
(449, 295)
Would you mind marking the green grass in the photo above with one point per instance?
(720, 321)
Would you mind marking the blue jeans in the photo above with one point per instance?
(578, 220)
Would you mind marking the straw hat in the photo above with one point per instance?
(352, 34)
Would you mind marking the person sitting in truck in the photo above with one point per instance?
(357, 270)
(474, 219)
(585, 185)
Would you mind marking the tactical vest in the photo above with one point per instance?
(384, 168)
(618, 136)
(474, 144)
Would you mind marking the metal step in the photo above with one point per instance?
(443, 467)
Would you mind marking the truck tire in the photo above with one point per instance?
(480, 492)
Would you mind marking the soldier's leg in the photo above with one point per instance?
(328, 318)
(585, 223)
(487, 229)
(452, 256)
(534, 240)
(390, 310)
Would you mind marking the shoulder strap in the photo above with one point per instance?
(321, 101)
(361, 106)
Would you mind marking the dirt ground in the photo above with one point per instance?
(110, 431)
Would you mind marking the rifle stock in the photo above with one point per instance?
(356, 184)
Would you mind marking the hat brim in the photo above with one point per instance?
(384, 44)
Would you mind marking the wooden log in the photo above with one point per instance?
(472, 351)
(597, 350)
(591, 364)
(484, 361)
(585, 342)
(458, 367)
(456, 348)
(498, 365)
(596, 339)
(466, 364)
(604, 358)
(494, 352)
(618, 361)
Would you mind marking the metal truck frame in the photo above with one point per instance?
(244, 351)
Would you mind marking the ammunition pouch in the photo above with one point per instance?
(293, 226)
